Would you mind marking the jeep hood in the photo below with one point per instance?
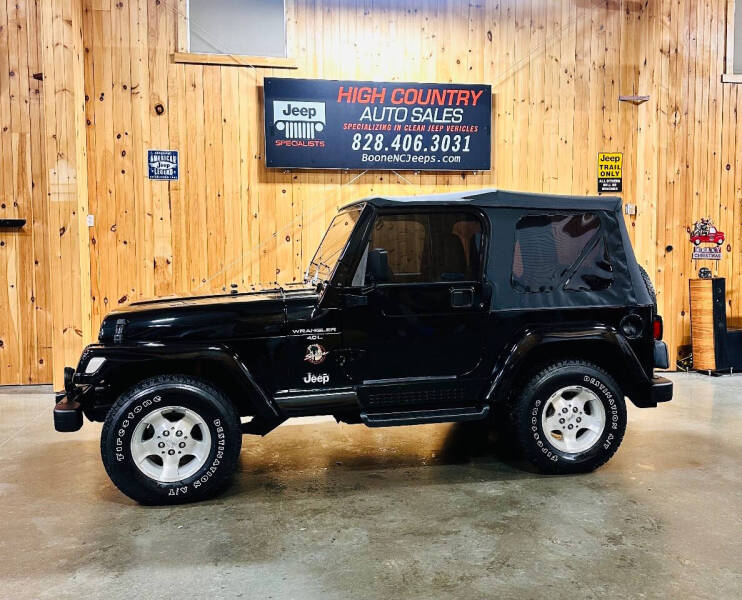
(202, 318)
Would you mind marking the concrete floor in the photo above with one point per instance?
(330, 511)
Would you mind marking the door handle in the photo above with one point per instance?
(354, 300)
(462, 297)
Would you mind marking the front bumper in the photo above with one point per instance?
(67, 410)
(661, 389)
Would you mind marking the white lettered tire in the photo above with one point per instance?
(171, 439)
(570, 417)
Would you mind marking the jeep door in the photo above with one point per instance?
(414, 318)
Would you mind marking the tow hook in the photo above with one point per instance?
(67, 411)
(67, 414)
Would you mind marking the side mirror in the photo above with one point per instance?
(377, 267)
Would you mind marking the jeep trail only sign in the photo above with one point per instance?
(610, 178)
(322, 124)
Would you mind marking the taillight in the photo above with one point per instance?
(657, 328)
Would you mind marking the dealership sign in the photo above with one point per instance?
(322, 124)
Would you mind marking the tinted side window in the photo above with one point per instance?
(424, 248)
(547, 248)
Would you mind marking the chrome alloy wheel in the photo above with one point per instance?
(170, 444)
(573, 419)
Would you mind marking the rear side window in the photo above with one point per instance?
(595, 271)
(424, 248)
(554, 250)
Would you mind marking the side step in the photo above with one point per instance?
(419, 417)
(261, 426)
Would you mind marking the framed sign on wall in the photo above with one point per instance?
(328, 124)
(162, 164)
(610, 172)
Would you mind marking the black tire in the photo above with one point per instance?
(650, 286)
(537, 446)
(152, 395)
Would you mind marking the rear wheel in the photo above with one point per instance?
(570, 417)
(171, 439)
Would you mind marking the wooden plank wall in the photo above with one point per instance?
(45, 279)
(691, 165)
(557, 69)
(25, 299)
(67, 180)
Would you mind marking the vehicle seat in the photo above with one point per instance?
(452, 259)
(475, 244)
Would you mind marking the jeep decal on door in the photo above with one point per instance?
(322, 378)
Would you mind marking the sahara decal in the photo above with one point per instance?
(316, 354)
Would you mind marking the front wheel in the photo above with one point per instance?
(570, 417)
(171, 439)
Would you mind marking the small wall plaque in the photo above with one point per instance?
(163, 164)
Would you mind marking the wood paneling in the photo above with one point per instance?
(25, 294)
(67, 178)
(557, 69)
(45, 298)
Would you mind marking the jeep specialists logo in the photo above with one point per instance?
(299, 120)
(322, 378)
(316, 354)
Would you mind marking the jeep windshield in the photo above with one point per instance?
(332, 245)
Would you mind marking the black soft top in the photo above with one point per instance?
(496, 199)
(628, 288)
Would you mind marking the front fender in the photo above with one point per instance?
(592, 341)
(123, 362)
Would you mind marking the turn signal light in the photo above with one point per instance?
(657, 328)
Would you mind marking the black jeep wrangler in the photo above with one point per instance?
(525, 310)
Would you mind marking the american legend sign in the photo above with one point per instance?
(323, 124)
(163, 164)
